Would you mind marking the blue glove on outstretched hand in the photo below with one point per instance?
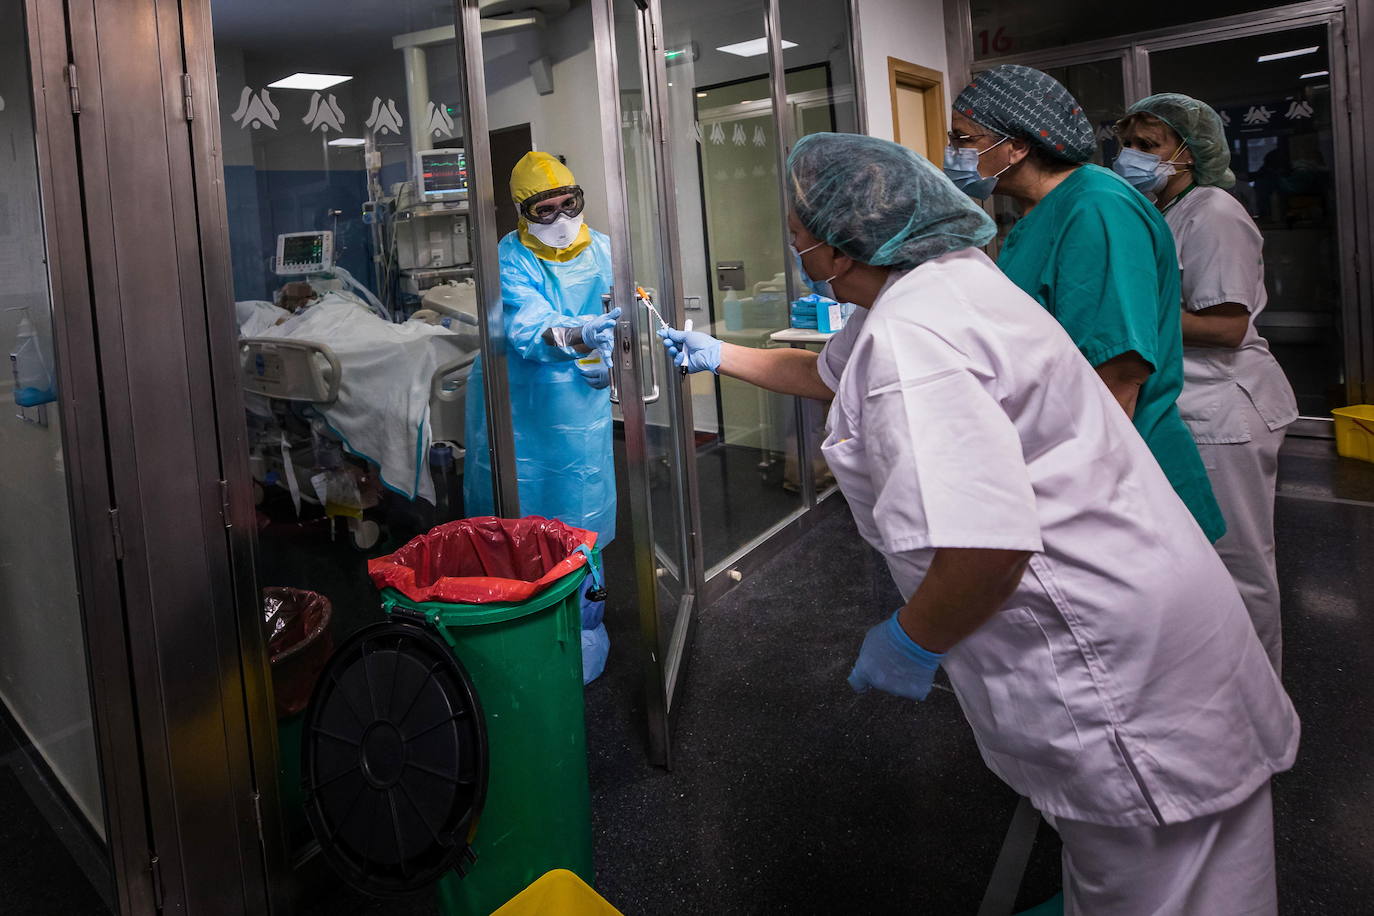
(693, 350)
(891, 661)
(598, 332)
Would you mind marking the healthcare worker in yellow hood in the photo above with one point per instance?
(554, 270)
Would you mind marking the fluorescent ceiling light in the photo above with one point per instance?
(756, 47)
(348, 141)
(701, 95)
(1282, 55)
(309, 81)
(1315, 74)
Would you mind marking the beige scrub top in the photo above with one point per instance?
(1122, 684)
(1219, 251)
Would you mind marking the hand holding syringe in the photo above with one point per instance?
(649, 301)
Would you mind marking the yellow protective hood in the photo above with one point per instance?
(534, 174)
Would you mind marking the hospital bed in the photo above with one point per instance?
(294, 379)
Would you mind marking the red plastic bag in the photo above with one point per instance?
(483, 560)
(298, 640)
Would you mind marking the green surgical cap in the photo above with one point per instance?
(880, 203)
(1200, 127)
(1018, 101)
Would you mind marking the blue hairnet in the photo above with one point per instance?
(880, 203)
(1200, 128)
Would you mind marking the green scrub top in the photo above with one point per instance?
(1101, 259)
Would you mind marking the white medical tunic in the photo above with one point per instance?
(1122, 684)
(1219, 252)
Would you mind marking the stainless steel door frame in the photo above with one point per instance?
(664, 654)
(1359, 35)
(682, 464)
(241, 586)
(785, 130)
(856, 52)
(632, 408)
(158, 362)
(486, 261)
(84, 455)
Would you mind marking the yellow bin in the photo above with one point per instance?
(558, 893)
(1355, 431)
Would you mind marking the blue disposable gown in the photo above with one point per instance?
(563, 458)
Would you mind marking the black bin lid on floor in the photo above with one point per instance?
(394, 759)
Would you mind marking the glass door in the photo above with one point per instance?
(72, 811)
(1275, 91)
(727, 146)
(651, 395)
(707, 100)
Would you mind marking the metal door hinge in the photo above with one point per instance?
(155, 867)
(116, 534)
(72, 89)
(224, 503)
(187, 97)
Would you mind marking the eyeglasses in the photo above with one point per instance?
(545, 207)
(958, 139)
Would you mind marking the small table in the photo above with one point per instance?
(799, 337)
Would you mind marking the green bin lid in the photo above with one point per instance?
(394, 760)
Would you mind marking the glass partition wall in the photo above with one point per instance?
(54, 833)
(1274, 77)
(367, 163)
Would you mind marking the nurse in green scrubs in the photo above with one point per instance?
(1090, 249)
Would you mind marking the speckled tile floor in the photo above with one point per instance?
(790, 794)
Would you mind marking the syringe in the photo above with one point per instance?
(649, 301)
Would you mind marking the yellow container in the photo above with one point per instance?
(1355, 431)
(558, 893)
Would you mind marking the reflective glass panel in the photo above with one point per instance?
(820, 97)
(53, 852)
(1278, 116)
(725, 153)
(347, 185)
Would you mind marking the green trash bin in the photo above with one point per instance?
(484, 828)
(525, 661)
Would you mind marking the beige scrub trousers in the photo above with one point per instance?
(1237, 402)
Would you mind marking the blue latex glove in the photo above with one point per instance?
(598, 375)
(702, 350)
(891, 661)
(598, 331)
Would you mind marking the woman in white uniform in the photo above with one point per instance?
(1236, 400)
(1095, 641)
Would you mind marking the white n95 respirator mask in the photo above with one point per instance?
(558, 234)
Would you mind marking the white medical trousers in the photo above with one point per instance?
(1217, 865)
(1243, 476)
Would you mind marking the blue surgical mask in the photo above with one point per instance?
(961, 166)
(819, 287)
(1146, 172)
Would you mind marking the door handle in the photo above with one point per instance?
(606, 305)
(657, 354)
